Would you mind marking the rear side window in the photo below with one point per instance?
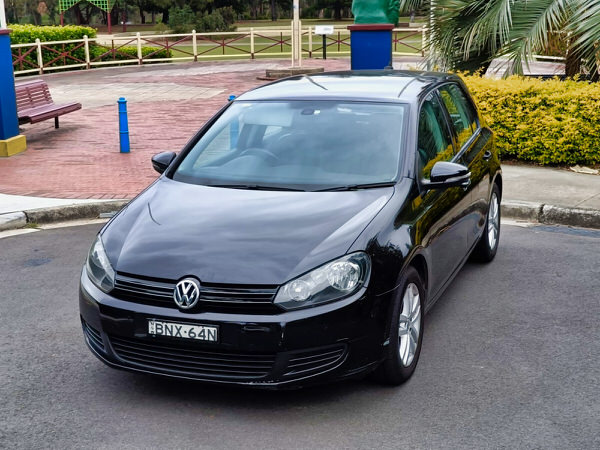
(434, 140)
(461, 112)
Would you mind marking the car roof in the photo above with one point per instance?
(366, 85)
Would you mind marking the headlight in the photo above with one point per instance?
(332, 281)
(98, 267)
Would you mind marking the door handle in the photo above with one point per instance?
(487, 155)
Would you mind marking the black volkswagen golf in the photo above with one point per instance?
(300, 236)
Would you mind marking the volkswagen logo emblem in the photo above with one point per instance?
(187, 293)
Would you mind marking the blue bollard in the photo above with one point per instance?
(123, 126)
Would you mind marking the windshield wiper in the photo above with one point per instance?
(355, 187)
(255, 187)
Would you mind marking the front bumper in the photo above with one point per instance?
(332, 341)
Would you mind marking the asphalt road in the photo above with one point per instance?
(511, 359)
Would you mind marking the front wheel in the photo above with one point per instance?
(486, 248)
(406, 331)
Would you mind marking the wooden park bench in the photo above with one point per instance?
(35, 104)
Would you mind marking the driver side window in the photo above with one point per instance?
(434, 141)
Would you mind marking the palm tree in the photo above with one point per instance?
(467, 34)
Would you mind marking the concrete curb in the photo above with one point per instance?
(552, 215)
(73, 212)
(13, 220)
(55, 214)
(533, 212)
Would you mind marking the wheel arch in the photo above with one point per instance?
(498, 182)
(420, 265)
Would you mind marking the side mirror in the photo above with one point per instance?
(161, 161)
(446, 174)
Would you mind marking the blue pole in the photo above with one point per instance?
(123, 126)
(10, 140)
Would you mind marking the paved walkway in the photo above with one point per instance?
(167, 104)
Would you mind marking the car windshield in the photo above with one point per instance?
(299, 145)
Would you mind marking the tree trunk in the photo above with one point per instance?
(595, 69)
(572, 60)
(572, 64)
(87, 17)
(142, 16)
(77, 12)
(273, 11)
(475, 63)
(165, 17)
(114, 16)
(337, 10)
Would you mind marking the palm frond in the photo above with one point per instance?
(492, 27)
(532, 21)
(587, 32)
(457, 36)
(406, 6)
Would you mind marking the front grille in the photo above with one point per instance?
(253, 299)
(193, 362)
(312, 361)
(93, 336)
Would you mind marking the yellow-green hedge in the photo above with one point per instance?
(23, 34)
(547, 122)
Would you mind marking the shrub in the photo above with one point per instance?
(23, 34)
(210, 22)
(220, 19)
(128, 52)
(181, 20)
(546, 122)
(228, 15)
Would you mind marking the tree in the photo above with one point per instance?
(336, 5)
(468, 34)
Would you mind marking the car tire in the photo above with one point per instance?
(405, 330)
(486, 248)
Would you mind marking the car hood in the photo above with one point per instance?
(236, 236)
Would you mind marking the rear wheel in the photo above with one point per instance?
(486, 248)
(406, 331)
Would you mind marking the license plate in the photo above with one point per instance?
(183, 330)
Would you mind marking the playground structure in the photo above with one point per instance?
(104, 5)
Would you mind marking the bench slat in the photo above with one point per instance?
(35, 104)
(43, 109)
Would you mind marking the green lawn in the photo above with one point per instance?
(244, 25)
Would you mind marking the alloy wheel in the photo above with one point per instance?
(409, 324)
(493, 224)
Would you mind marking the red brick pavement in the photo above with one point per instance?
(82, 159)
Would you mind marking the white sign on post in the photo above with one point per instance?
(323, 29)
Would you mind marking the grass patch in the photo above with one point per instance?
(281, 44)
